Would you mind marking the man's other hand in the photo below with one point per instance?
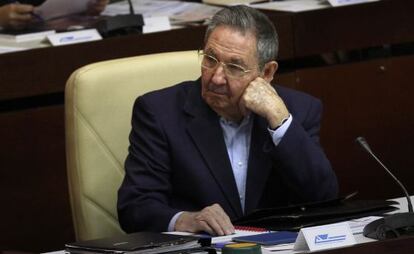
(95, 7)
(212, 219)
(261, 98)
(15, 15)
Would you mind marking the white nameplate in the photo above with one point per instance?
(74, 37)
(346, 2)
(156, 24)
(324, 237)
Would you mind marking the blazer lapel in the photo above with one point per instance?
(259, 166)
(205, 130)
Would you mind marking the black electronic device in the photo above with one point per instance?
(394, 225)
(121, 24)
(295, 217)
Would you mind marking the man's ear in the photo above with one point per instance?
(269, 70)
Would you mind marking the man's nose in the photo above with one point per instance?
(219, 76)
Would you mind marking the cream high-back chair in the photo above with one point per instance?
(98, 104)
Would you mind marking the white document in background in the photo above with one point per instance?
(348, 2)
(305, 5)
(7, 49)
(177, 11)
(293, 5)
(156, 24)
(357, 225)
(230, 2)
(58, 8)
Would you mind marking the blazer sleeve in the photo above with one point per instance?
(299, 157)
(143, 195)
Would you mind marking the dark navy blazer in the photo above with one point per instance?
(178, 160)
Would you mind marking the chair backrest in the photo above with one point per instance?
(98, 107)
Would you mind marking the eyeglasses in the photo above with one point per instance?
(210, 62)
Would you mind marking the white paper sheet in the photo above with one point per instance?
(293, 5)
(6, 49)
(177, 11)
(59, 8)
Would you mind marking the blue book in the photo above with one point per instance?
(272, 238)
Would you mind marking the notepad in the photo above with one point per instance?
(272, 238)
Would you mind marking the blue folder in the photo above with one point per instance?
(272, 238)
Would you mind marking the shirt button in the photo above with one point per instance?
(240, 163)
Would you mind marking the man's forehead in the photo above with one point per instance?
(250, 33)
(224, 38)
(227, 45)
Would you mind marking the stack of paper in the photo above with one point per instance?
(293, 5)
(24, 35)
(177, 11)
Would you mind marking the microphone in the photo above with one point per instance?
(131, 8)
(361, 141)
(393, 225)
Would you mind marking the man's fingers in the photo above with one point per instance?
(224, 219)
(206, 228)
(212, 219)
(213, 224)
(217, 219)
(19, 15)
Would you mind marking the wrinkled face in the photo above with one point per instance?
(220, 91)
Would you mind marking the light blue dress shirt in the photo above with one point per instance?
(237, 139)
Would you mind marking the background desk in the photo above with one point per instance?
(369, 95)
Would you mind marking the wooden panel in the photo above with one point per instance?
(45, 70)
(353, 27)
(284, 27)
(371, 99)
(33, 186)
(285, 79)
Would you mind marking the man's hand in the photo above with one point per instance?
(95, 7)
(261, 98)
(15, 15)
(212, 219)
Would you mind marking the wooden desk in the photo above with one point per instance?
(365, 97)
(393, 246)
(353, 27)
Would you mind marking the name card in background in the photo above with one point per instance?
(346, 2)
(74, 37)
(324, 237)
(156, 24)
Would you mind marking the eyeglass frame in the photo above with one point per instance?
(242, 69)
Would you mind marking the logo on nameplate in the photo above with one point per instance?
(326, 238)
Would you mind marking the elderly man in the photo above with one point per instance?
(205, 152)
